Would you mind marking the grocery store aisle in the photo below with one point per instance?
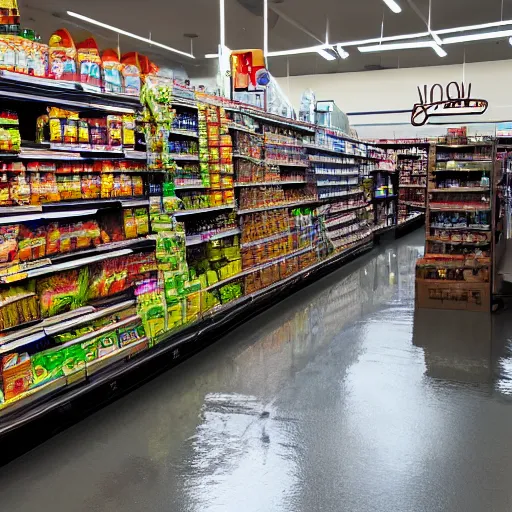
(339, 398)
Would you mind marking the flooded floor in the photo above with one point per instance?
(340, 398)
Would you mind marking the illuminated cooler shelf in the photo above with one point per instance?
(295, 204)
(183, 213)
(50, 396)
(240, 128)
(19, 87)
(266, 239)
(278, 163)
(269, 183)
(105, 374)
(208, 237)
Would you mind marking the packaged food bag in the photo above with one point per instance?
(63, 55)
(89, 63)
(112, 71)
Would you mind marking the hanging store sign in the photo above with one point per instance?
(443, 102)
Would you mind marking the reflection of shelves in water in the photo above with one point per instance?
(339, 305)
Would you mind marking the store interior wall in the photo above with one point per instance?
(407, 131)
(379, 103)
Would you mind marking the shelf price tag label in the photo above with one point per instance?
(14, 277)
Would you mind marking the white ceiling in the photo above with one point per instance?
(348, 20)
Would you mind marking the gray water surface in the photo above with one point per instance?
(340, 398)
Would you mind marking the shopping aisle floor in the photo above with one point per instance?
(330, 401)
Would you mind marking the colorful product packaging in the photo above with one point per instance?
(89, 63)
(112, 71)
(16, 374)
(62, 56)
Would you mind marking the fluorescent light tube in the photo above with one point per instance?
(128, 34)
(438, 50)
(510, 41)
(211, 55)
(503, 23)
(326, 55)
(478, 37)
(436, 38)
(341, 52)
(222, 14)
(299, 51)
(393, 6)
(403, 46)
(434, 34)
(394, 46)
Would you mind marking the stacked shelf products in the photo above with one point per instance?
(339, 165)
(127, 224)
(383, 174)
(456, 271)
(412, 163)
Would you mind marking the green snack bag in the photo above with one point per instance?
(90, 349)
(212, 277)
(154, 319)
(47, 366)
(174, 313)
(74, 359)
(107, 343)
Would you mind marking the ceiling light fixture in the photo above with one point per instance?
(326, 55)
(128, 34)
(393, 6)
(265, 28)
(440, 52)
(510, 41)
(211, 55)
(341, 52)
(394, 46)
(299, 51)
(403, 46)
(436, 38)
(314, 49)
(222, 15)
(410, 38)
(477, 37)
(482, 26)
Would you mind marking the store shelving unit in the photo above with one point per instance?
(383, 182)
(242, 207)
(413, 159)
(225, 172)
(339, 164)
(457, 270)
